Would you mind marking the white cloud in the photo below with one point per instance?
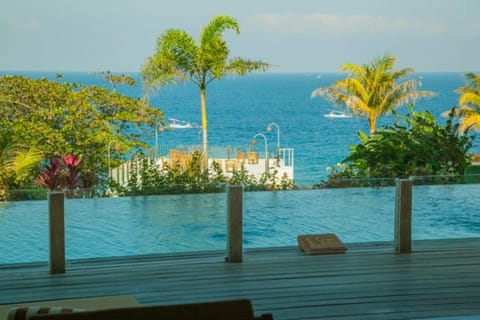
(27, 25)
(320, 24)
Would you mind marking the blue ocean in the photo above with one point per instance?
(240, 107)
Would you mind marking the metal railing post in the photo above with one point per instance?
(403, 216)
(234, 223)
(56, 210)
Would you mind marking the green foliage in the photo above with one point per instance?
(148, 179)
(61, 118)
(27, 194)
(116, 80)
(413, 146)
(16, 161)
(472, 174)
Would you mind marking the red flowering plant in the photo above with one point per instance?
(73, 175)
(61, 174)
(51, 176)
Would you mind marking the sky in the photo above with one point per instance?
(292, 35)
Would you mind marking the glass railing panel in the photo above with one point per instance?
(145, 224)
(445, 207)
(116, 226)
(354, 214)
(24, 223)
(23, 230)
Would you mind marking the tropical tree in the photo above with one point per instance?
(372, 90)
(178, 58)
(469, 104)
(59, 118)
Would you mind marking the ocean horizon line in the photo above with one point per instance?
(4, 72)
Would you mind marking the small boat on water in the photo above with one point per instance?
(337, 114)
(181, 124)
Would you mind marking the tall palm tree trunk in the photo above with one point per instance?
(372, 122)
(203, 104)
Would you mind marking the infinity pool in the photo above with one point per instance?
(102, 227)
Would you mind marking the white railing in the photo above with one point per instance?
(283, 167)
(286, 155)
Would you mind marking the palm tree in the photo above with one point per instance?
(372, 90)
(469, 104)
(178, 58)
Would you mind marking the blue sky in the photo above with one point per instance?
(294, 35)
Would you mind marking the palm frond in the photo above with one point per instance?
(216, 27)
(458, 112)
(17, 159)
(172, 62)
(358, 106)
(354, 70)
(384, 63)
(454, 112)
(25, 160)
(159, 72)
(212, 58)
(463, 90)
(177, 47)
(354, 87)
(473, 84)
(402, 73)
(473, 80)
(241, 66)
(470, 98)
(404, 93)
(331, 93)
(471, 121)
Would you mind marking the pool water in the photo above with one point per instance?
(105, 227)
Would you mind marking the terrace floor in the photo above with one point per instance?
(441, 278)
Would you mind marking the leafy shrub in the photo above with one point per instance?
(62, 174)
(188, 177)
(413, 146)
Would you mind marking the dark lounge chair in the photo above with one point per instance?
(218, 310)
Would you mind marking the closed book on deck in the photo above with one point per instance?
(320, 243)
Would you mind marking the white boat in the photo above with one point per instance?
(337, 114)
(180, 124)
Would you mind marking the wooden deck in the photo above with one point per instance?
(440, 279)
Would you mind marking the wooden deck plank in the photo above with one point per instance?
(440, 278)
